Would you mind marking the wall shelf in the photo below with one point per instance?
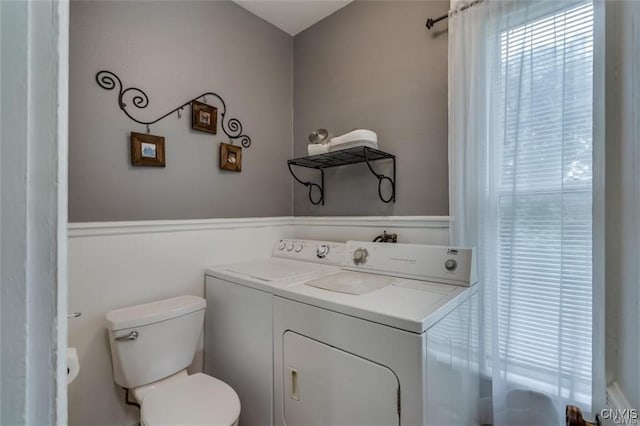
(361, 154)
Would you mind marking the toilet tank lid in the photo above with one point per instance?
(149, 313)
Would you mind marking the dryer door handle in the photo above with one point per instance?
(294, 394)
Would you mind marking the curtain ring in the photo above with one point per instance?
(148, 129)
(204, 99)
(180, 113)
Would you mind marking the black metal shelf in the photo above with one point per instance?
(361, 154)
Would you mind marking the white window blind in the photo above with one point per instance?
(544, 203)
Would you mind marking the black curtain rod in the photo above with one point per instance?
(432, 21)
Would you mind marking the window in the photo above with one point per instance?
(544, 204)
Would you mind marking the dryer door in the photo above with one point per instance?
(327, 386)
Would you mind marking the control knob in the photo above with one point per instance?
(281, 246)
(299, 248)
(322, 251)
(290, 247)
(450, 264)
(360, 256)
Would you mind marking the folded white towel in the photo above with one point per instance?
(359, 137)
(317, 148)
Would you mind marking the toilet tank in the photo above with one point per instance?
(155, 340)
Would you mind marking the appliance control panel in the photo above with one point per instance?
(327, 252)
(448, 265)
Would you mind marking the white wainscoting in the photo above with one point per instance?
(112, 265)
(410, 229)
(116, 264)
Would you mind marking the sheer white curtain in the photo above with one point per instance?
(520, 152)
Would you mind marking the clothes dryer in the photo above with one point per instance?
(391, 339)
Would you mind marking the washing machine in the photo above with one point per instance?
(390, 339)
(238, 331)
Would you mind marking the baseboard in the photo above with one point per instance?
(616, 400)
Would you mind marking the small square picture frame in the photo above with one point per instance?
(147, 150)
(204, 117)
(230, 157)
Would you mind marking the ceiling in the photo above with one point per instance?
(292, 16)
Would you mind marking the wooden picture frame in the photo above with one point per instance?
(230, 157)
(204, 117)
(147, 150)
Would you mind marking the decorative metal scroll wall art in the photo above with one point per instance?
(109, 81)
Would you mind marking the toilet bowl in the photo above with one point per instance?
(151, 346)
(196, 399)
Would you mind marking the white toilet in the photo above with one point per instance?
(151, 346)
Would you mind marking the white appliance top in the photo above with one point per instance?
(350, 282)
(419, 295)
(292, 261)
(271, 270)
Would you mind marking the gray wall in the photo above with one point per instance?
(175, 51)
(374, 65)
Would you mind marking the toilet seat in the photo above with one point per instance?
(196, 399)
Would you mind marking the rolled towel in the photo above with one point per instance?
(359, 137)
(317, 148)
